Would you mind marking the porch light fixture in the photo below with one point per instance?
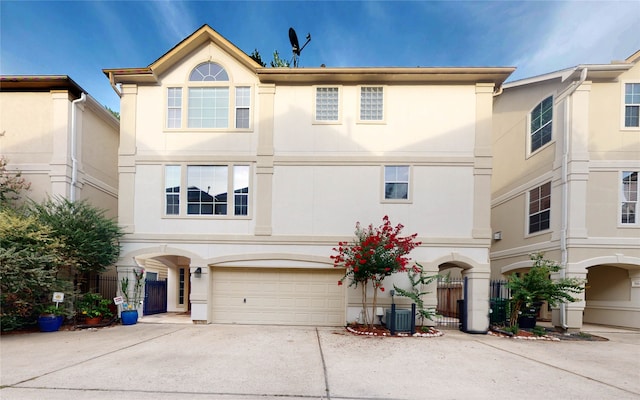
(198, 272)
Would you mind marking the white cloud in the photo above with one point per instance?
(581, 33)
(173, 20)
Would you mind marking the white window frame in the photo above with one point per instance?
(338, 119)
(384, 105)
(528, 213)
(232, 105)
(166, 193)
(239, 106)
(623, 199)
(172, 106)
(530, 150)
(409, 181)
(232, 182)
(624, 107)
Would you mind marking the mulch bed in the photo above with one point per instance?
(381, 331)
(550, 334)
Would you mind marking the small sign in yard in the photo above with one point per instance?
(58, 297)
(118, 300)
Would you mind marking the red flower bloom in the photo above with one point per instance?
(339, 283)
(382, 289)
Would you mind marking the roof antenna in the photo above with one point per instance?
(295, 46)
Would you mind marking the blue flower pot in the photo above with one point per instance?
(129, 317)
(50, 323)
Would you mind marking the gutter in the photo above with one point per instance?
(565, 187)
(74, 139)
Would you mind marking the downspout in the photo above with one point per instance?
(74, 140)
(565, 190)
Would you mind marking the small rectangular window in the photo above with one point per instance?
(630, 197)
(396, 182)
(174, 107)
(241, 189)
(632, 105)
(540, 208)
(181, 285)
(172, 189)
(371, 103)
(327, 104)
(243, 105)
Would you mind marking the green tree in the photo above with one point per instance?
(11, 184)
(418, 279)
(114, 113)
(30, 256)
(257, 58)
(90, 240)
(374, 254)
(536, 286)
(277, 61)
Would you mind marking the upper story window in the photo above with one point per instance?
(208, 71)
(540, 208)
(172, 189)
(243, 104)
(629, 186)
(205, 190)
(396, 182)
(632, 105)
(371, 103)
(210, 101)
(174, 107)
(327, 104)
(540, 123)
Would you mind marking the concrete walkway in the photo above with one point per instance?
(182, 361)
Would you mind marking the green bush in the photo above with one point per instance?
(29, 261)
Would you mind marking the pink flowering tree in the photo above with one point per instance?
(374, 254)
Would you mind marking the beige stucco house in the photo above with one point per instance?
(566, 149)
(236, 181)
(61, 139)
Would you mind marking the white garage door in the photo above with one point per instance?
(278, 296)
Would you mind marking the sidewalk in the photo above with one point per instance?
(182, 361)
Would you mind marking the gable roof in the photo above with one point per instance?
(150, 74)
(201, 36)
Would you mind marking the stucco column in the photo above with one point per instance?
(482, 164)
(574, 310)
(264, 168)
(477, 300)
(200, 277)
(127, 271)
(60, 172)
(126, 158)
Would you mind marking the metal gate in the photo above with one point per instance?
(155, 297)
(450, 292)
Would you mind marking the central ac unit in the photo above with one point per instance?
(403, 320)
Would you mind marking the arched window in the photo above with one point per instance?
(208, 100)
(209, 71)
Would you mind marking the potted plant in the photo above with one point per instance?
(530, 290)
(50, 318)
(93, 308)
(132, 296)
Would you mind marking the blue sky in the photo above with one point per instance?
(80, 38)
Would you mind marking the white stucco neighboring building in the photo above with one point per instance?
(236, 181)
(566, 151)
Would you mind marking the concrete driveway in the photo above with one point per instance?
(179, 361)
